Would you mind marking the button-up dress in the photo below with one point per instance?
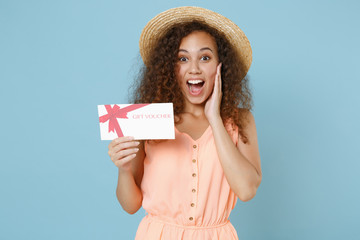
(185, 192)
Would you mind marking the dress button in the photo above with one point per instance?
(193, 204)
(194, 146)
(194, 174)
(194, 190)
(194, 160)
(191, 218)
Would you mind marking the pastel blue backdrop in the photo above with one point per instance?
(59, 59)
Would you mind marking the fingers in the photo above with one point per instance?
(125, 145)
(212, 106)
(122, 153)
(120, 140)
(217, 84)
(219, 68)
(122, 150)
(122, 157)
(219, 76)
(124, 161)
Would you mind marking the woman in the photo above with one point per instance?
(198, 60)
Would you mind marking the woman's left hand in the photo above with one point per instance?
(212, 106)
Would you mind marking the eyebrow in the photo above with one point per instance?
(206, 48)
(202, 49)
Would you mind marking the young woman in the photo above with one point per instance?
(196, 59)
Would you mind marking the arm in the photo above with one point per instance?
(128, 156)
(241, 163)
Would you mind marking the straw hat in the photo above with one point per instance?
(160, 24)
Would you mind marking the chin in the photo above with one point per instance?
(197, 100)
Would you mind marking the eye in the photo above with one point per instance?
(205, 58)
(183, 59)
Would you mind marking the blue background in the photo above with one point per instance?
(59, 59)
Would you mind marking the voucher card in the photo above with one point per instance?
(142, 121)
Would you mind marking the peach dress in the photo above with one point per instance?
(185, 192)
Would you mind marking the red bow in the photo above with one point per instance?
(115, 112)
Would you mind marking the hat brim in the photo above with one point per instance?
(157, 27)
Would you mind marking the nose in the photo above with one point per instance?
(194, 68)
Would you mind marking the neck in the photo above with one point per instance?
(197, 110)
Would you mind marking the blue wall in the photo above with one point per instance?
(59, 59)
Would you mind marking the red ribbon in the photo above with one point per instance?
(116, 112)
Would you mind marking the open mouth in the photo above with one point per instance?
(195, 86)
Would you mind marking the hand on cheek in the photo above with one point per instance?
(212, 106)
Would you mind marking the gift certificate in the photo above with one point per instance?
(142, 121)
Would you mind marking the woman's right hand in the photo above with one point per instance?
(122, 150)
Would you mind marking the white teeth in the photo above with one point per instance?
(195, 81)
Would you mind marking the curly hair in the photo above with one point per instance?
(157, 81)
